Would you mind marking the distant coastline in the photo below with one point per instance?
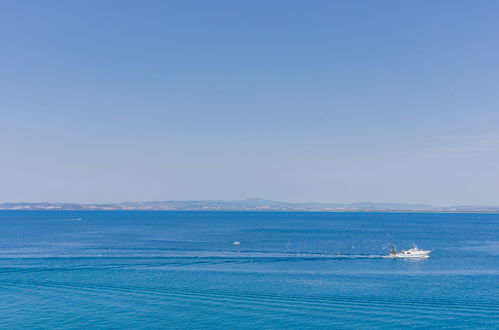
(252, 204)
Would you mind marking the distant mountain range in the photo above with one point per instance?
(251, 204)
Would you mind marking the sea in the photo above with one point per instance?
(291, 270)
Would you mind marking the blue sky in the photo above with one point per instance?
(329, 101)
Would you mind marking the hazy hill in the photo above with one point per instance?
(250, 204)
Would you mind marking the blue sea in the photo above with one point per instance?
(181, 270)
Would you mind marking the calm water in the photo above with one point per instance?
(291, 270)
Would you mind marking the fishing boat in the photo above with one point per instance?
(411, 253)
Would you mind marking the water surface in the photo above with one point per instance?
(131, 269)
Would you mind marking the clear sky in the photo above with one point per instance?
(328, 101)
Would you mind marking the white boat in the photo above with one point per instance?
(411, 253)
(236, 243)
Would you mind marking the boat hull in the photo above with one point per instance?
(412, 253)
(409, 256)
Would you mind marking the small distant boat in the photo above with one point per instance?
(236, 243)
(411, 253)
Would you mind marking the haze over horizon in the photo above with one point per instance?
(321, 101)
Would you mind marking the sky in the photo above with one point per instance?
(325, 101)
